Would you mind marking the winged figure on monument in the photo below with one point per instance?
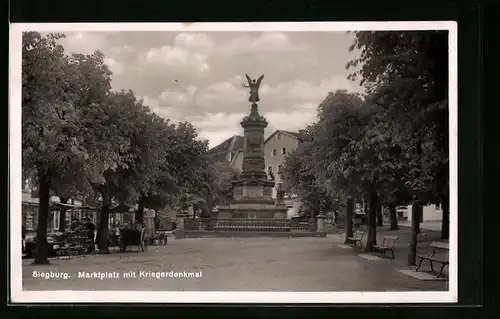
(254, 88)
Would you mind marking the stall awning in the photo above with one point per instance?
(60, 206)
(90, 208)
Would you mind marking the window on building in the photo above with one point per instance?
(278, 136)
(279, 167)
(53, 220)
(273, 152)
(283, 151)
(269, 169)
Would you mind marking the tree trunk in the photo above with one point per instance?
(380, 217)
(445, 226)
(139, 215)
(348, 219)
(62, 220)
(372, 219)
(103, 228)
(415, 212)
(157, 220)
(412, 252)
(208, 207)
(43, 215)
(195, 208)
(420, 211)
(393, 214)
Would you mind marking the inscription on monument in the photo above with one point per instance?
(254, 142)
(254, 191)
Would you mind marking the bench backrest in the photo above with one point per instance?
(389, 241)
(441, 247)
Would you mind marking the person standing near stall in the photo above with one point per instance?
(90, 229)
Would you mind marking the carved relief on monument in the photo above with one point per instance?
(253, 143)
(254, 191)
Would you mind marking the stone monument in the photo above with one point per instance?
(252, 192)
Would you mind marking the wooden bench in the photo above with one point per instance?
(387, 245)
(439, 255)
(357, 238)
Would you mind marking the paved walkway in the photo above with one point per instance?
(249, 264)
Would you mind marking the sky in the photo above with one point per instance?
(198, 76)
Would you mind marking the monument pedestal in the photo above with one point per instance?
(252, 198)
(250, 211)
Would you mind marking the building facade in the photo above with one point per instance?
(429, 213)
(30, 205)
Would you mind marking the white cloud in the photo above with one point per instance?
(189, 53)
(174, 98)
(299, 90)
(121, 49)
(291, 121)
(115, 66)
(222, 93)
(191, 89)
(266, 42)
(83, 42)
(217, 127)
(177, 58)
(199, 42)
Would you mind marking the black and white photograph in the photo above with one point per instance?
(233, 162)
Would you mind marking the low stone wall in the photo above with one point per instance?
(243, 234)
(240, 227)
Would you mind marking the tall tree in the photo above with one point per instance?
(406, 73)
(51, 122)
(344, 150)
(298, 176)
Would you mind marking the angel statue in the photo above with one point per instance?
(254, 88)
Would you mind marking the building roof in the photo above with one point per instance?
(289, 133)
(232, 145)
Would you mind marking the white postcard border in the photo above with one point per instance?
(15, 157)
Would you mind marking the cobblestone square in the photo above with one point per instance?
(236, 264)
